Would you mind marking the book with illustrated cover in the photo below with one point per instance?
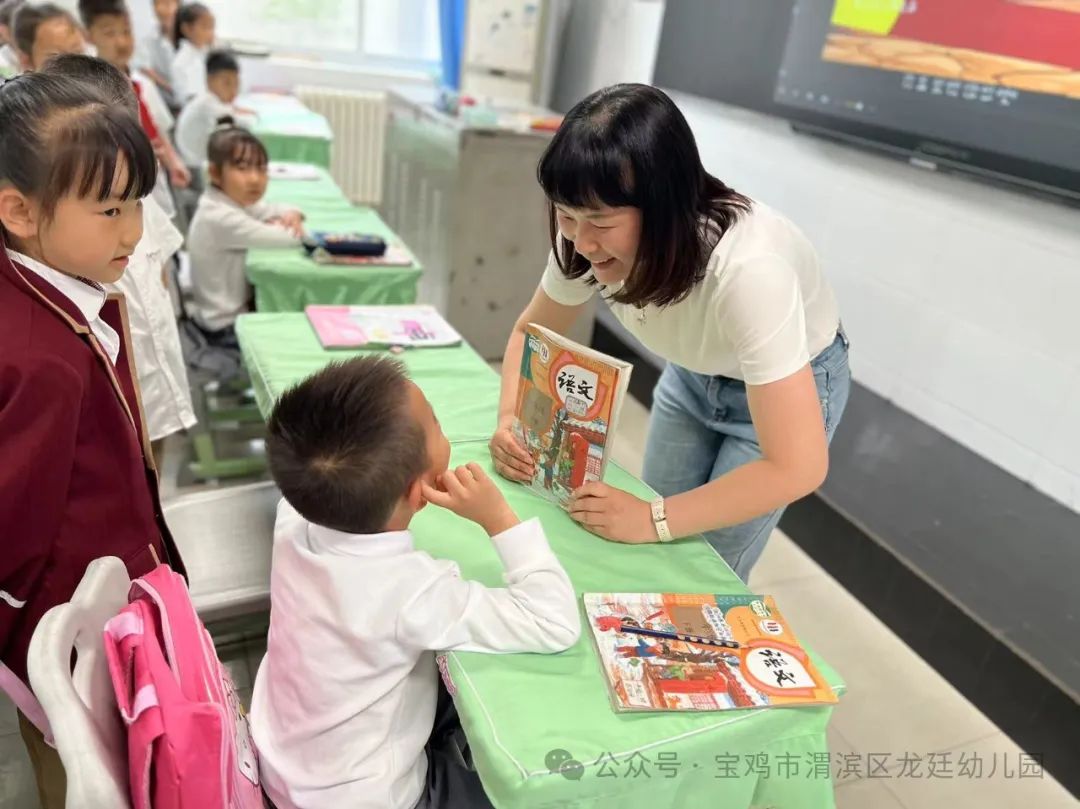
(700, 652)
(381, 327)
(568, 403)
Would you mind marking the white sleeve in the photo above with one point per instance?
(264, 211)
(567, 291)
(761, 309)
(238, 230)
(536, 612)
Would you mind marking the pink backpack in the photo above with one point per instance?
(189, 746)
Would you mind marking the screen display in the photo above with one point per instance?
(989, 85)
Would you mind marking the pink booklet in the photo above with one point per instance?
(381, 327)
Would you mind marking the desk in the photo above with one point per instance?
(286, 280)
(517, 708)
(288, 129)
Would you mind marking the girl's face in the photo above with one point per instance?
(201, 31)
(165, 11)
(607, 237)
(243, 182)
(83, 237)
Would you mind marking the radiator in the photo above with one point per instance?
(358, 121)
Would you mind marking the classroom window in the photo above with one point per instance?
(401, 32)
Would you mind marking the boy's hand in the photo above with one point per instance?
(179, 175)
(471, 494)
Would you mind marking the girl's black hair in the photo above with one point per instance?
(630, 146)
(235, 146)
(187, 14)
(29, 17)
(63, 136)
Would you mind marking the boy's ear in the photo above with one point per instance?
(215, 174)
(25, 62)
(415, 495)
(17, 215)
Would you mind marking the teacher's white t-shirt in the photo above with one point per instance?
(762, 311)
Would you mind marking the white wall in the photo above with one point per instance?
(962, 300)
(606, 42)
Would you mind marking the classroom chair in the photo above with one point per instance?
(80, 704)
(226, 537)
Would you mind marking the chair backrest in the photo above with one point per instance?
(80, 704)
(226, 538)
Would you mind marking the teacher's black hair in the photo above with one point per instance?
(629, 146)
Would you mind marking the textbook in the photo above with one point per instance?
(568, 403)
(380, 327)
(700, 652)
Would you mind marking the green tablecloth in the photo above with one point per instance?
(282, 349)
(289, 130)
(286, 280)
(517, 708)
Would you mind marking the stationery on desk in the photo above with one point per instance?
(286, 170)
(568, 404)
(700, 652)
(381, 327)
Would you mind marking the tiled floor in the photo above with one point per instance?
(897, 708)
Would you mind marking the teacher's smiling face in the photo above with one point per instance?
(607, 237)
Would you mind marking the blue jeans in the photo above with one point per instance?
(700, 429)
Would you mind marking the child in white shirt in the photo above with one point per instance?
(345, 700)
(154, 55)
(194, 35)
(206, 111)
(9, 57)
(230, 219)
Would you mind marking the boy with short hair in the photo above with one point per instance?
(213, 106)
(108, 24)
(41, 30)
(347, 697)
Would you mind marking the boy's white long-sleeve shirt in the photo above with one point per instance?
(345, 699)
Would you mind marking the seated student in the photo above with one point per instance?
(205, 112)
(155, 340)
(108, 24)
(9, 57)
(346, 699)
(41, 30)
(154, 54)
(194, 37)
(77, 480)
(229, 220)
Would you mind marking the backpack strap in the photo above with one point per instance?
(26, 702)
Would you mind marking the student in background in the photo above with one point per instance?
(9, 57)
(205, 112)
(108, 25)
(229, 220)
(78, 481)
(155, 341)
(154, 54)
(347, 709)
(194, 37)
(41, 30)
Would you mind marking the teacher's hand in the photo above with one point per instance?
(612, 514)
(511, 459)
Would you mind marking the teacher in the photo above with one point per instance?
(721, 286)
